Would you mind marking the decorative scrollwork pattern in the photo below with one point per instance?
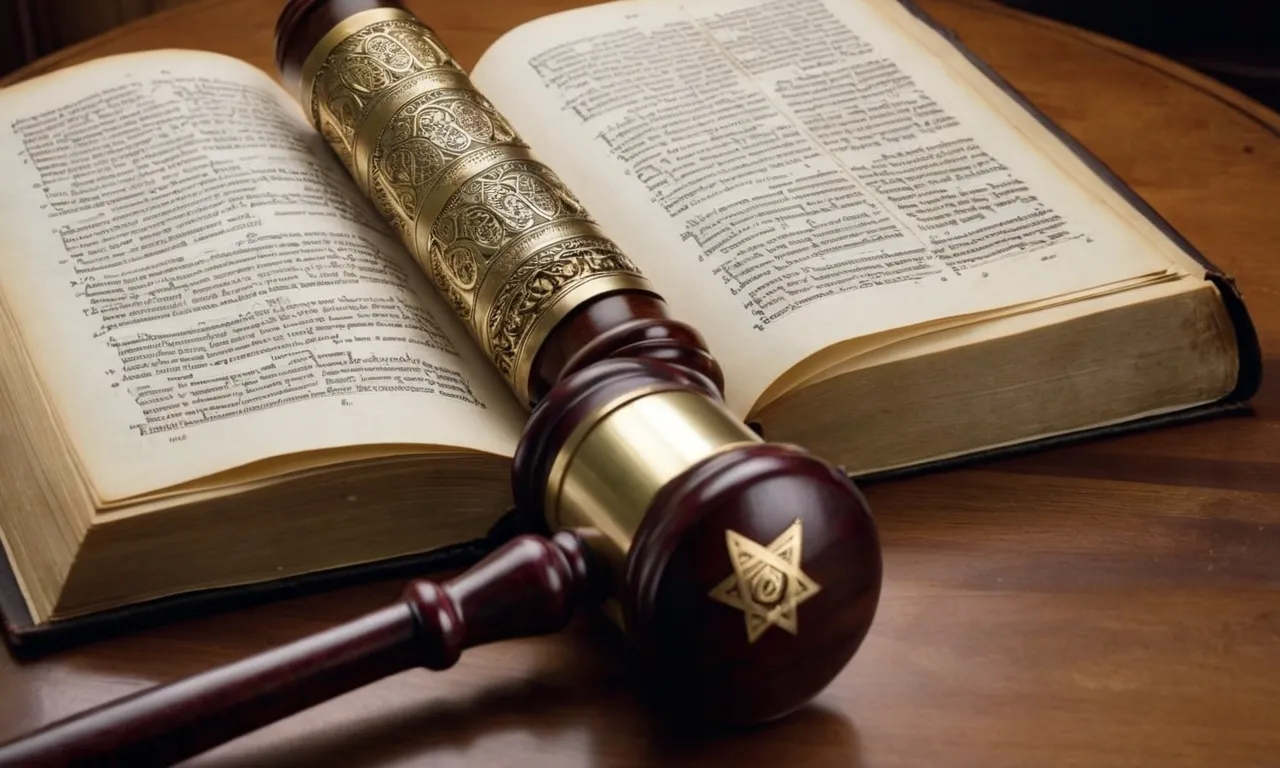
(424, 136)
(502, 238)
(537, 283)
(362, 66)
(486, 215)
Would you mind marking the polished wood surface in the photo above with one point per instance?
(529, 586)
(32, 28)
(1112, 604)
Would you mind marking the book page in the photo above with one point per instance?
(792, 174)
(200, 286)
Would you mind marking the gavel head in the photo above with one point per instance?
(746, 573)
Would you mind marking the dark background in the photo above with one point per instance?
(1234, 41)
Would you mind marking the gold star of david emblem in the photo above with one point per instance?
(767, 584)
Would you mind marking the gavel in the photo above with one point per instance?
(744, 573)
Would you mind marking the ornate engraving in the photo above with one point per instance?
(484, 217)
(767, 584)
(504, 241)
(537, 283)
(384, 200)
(363, 66)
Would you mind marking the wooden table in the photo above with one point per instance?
(1110, 604)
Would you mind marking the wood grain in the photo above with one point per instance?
(528, 586)
(35, 27)
(1112, 604)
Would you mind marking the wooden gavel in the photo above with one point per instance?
(745, 573)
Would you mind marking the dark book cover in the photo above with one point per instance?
(27, 639)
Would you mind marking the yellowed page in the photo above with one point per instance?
(200, 286)
(796, 173)
(1064, 158)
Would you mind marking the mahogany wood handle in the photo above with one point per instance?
(530, 586)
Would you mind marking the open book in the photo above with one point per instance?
(221, 368)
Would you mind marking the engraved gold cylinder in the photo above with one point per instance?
(617, 459)
(506, 243)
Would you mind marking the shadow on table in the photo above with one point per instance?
(585, 705)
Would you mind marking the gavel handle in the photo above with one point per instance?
(530, 586)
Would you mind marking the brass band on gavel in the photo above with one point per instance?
(501, 237)
(748, 571)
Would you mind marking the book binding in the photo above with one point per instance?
(27, 640)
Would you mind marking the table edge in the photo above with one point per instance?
(1229, 96)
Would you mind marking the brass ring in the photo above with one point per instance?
(555, 476)
(688, 427)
